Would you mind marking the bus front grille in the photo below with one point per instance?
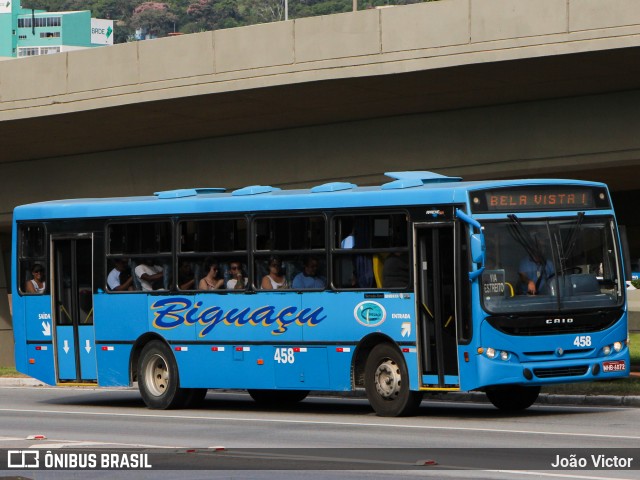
(549, 353)
(561, 372)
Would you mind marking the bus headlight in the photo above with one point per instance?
(606, 349)
(504, 355)
(491, 353)
(617, 346)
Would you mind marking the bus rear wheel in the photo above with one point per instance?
(158, 379)
(386, 381)
(278, 397)
(512, 398)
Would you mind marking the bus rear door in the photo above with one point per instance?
(73, 309)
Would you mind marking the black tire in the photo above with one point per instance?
(512, 398)
(386, 381)
(278, 397)
(158, 379)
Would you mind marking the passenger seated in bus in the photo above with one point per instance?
(275, 279)
(149, 274)
(119, 278)
(348, 241)
(309, 278)
(535, 274)
(37, 284)
(186, 277)
(126, 278)
(212, 280)
(395, 273)
(238, 280)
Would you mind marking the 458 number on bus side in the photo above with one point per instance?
(582, 341)
(284, 355)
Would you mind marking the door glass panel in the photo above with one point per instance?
(64, 287)
(83, 269)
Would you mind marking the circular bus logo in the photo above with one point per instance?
(370, 314)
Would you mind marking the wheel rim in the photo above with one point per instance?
(157, 375)
(388, 380)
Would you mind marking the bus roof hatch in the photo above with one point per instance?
(333, 187)
(254, 190)
(411, 179)
(187, 192)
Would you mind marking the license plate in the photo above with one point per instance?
(615, 366)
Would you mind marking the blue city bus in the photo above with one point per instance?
(424, 284)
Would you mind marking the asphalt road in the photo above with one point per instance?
(318, 433)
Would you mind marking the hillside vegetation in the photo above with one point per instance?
(158, 19)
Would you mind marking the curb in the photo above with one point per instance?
(476, 397)
(552, 399)
(20, 382)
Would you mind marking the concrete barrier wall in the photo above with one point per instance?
(633, 297)
(368, 42)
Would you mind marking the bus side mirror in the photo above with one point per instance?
(477, 243)
(478, 248)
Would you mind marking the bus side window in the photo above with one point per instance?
(32, 260)
(207, 244)
(363, 245)
(143, 242)
(281, 246)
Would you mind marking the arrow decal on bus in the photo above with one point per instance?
(406, 329)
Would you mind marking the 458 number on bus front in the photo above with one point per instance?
(284, 355)
(582, 341)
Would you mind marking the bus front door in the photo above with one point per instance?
(436, 279)
(73, 309)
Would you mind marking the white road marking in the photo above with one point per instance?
(164, 415)
(559, 475)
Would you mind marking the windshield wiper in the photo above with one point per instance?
(533, 249)
(524, 238)
(571, 241)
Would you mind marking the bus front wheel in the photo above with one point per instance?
(158, 379)
(386, 381)
(512, 398)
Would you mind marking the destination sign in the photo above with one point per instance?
(539, 198)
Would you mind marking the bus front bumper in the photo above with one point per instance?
(495, 371)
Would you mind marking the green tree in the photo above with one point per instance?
(154, 18)
(49, 5)
(215, 14)
(311, 8)
(112, 9)
(264, 11)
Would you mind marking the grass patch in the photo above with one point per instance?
(623, 386)
(634, 349)
(10, 372)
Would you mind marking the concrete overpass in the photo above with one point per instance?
(477, 88)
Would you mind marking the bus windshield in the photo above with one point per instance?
(551, 265)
